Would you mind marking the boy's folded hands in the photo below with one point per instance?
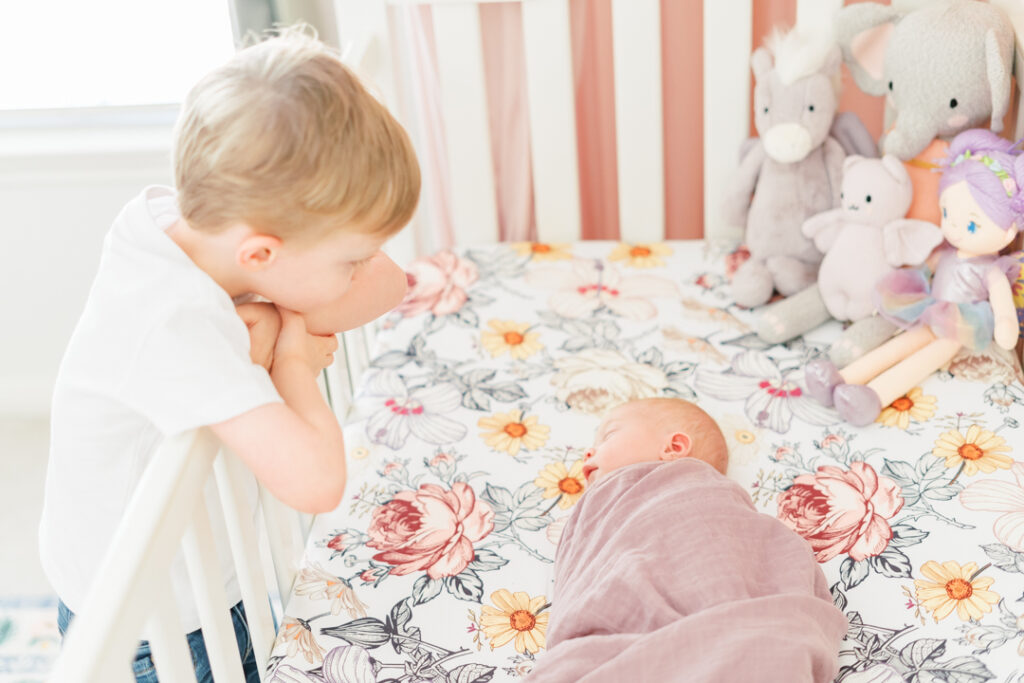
(296, 344)
(264, 323)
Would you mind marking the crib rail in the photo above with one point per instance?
(133, 597)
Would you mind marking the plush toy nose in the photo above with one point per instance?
(787, 143)
(588, 454)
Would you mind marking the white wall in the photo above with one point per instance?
(59, 192)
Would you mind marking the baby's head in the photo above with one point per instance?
(284, 145)
(651, 430)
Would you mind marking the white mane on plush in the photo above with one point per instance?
(799, 53)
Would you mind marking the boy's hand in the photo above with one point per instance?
(264, 323)
(296, 345)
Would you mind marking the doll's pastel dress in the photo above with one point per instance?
(953, 302)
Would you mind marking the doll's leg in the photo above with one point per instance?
(861, 404)
(823, 379)
(870, 365)
(902, 377)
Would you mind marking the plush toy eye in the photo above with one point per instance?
(766, 110)
(868, 199)
(810, 107)
(972, 227)
(943, 212)
(953, 103)
(890, 86)
(842, 195)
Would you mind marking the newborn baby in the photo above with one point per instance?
(666, 572)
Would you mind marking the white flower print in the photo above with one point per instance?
(400, 412)
(591, 284)
(773, 396)
(992, 495)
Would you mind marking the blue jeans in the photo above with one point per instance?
(143, 664)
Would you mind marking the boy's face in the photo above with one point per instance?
(307, 277)
(626, 437)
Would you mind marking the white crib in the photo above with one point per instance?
(168, 511)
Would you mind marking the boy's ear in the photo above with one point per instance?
(678, 446)
(257, 251)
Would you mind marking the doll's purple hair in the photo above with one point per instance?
(988, 180)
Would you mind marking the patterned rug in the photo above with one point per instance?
(29, 640)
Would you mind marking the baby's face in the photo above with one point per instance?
(626, 437)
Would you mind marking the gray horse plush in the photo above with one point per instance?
(792, 171)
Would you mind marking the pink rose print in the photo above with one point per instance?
(734, 260)
(437, 284)
(842, 512)
(337, 543)
(430, 529)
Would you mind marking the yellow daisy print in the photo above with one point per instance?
(511, 432)
(914, 405)
(543, 251)
(558, 480)
(980, 449)
(518, 616)
(641, 255)
(512, 337)
(950, 586)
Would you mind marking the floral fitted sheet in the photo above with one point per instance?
(465, 461)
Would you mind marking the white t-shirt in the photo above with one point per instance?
(158, 350)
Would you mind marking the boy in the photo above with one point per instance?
(666, 572)
(290, 177)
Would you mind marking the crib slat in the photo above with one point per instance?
(286, 546)
(551, 102)
(338, 384)
(232, 480)
(171, 655)
(817, 15)
(726, 101)
(204, 571)
(464, 109)
(636, 44)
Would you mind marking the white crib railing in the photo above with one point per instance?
(637, 59)
(133, 597)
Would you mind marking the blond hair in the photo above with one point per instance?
(707, 442)
(285, 138)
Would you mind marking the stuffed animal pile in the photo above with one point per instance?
(825, 222)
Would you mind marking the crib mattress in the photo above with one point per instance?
(485, 389)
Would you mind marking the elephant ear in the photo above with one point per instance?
(908, 241)
(863, 32)
(998, 72)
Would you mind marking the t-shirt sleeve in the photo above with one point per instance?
(193, 369)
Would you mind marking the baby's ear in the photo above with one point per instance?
(677, 447)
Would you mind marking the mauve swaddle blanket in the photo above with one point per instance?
(666, 572)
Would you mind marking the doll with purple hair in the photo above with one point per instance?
(963, 297)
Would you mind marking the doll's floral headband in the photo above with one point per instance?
(1009, 184)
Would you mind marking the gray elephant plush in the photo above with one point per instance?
(943, 68)
(790, 172)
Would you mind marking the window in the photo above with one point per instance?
(60, 54)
